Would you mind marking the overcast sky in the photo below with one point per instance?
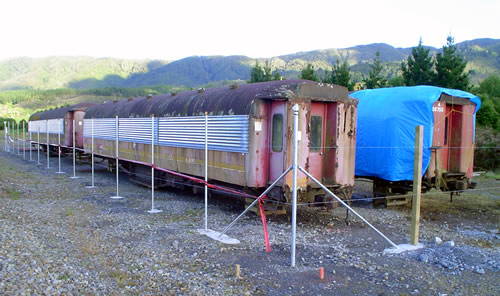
(146, 29)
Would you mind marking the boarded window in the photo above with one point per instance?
(277, 136)
(315, 139)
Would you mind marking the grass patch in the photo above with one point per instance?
(484, 243)
(63, 277)
(69, 212)
(493, 176)
(12, 193)
(465, 203)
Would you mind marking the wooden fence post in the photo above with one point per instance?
(417, 185)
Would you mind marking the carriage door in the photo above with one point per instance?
(68, 129)
(277, 139)
(317, 140)
(78, 116)
(440, 136)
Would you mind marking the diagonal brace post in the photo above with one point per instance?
(348, 207)
(256, 200)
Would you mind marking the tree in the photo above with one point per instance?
(277, 75)
(256, 74)
(396, 81)
(418, 69)
(268, 73)
(450, 67)
(340, 75)
(489, 92)
(308, 73)
(491, 86)
(261, 74)
(375, 79)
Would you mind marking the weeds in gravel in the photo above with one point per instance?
(69, 212)
(12, 193)
(462, 204)
(64, 277)
(484, 243)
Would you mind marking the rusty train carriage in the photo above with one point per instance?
(448, 118)
(260, 114)
(52, 119)
(327, 121)
(452, 144)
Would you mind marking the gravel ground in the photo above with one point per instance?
(58, 237)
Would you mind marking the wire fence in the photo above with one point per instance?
(200, 185)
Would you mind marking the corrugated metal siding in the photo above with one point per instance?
(137, 130)
(104, 128)
(56, 126)
(33, 126)
(225, 133)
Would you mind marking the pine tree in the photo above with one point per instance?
(276, 75)
(450, 67)
(261, 74)
(256, 74)
(418, 68)
(342, 73)
(375, 79)
(308, 73)
(268, 73)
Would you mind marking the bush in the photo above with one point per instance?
(487, 152)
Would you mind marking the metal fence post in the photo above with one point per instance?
(13, 135)
(153, 210)
(48, 144)
(295, 109)
(59, 148)
(117, 196)
(5, 135)
(24, 142)
(92, 152)
(38, 144)
(74, 151)
(31, 142)
(17, 141)
(206, 170)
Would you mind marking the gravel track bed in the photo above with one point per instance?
(58, 237)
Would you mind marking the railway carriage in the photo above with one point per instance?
(57, 123)
(249, 136)
(386, 137)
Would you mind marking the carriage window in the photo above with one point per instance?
(277, 136)
(315, 139)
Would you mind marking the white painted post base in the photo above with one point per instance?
(154, 211)
(215, 235)
(116, 197)
(403, 248)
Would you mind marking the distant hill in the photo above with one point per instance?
(483, 56)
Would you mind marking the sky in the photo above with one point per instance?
(170, 30)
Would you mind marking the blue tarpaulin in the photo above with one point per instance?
(387, 117)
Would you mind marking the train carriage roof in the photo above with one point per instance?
(387, 118)
(230, 100)
(59, 112)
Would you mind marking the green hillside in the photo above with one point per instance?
(483, 56)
